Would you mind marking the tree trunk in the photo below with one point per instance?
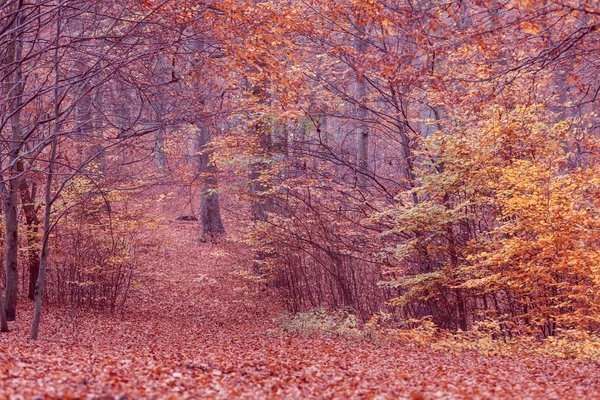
(362, 131)
(260, 204)
(11, 194)
(160, 157)
(39, 285)
(85, 122)
(97, 148)
(3, 322)
(166, 70)
(210, 211)
(33, 223)
(12, 247)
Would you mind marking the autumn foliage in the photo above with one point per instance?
(389, 170)
(475, 200)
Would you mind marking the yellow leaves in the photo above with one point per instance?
(486, 283)
(544, 234)
(525, 4)
(541, 215)
(387, 25)
(531, 28)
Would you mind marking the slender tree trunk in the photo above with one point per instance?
(362, 131)
(85, 123)
(12, 247)
(39, 285)
(3, 322)
(260, 204)
(32, 221)
(163, 68)
(160, 157)
(11, 195)
(210, 211)
(97, 149)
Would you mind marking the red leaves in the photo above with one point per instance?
(208, 344)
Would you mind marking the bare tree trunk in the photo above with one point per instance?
(362, 131)
(323, 130)
(12, 188)
(210, 211)
(39, 285)
(97, 148)
(31, 219)
(85, 123)
(3, 322)
(160, 157)
(163, 68)
(12, 245)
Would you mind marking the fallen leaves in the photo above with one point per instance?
(205, 344)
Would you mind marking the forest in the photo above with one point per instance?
(299, 199)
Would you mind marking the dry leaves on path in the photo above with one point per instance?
(195, 330)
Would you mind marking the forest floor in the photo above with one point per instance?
(195, 329)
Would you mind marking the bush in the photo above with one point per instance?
(319, 321)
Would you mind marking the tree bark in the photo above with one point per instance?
(12, 246)
(210, 210)
(41, 279)
(11, 194)
(362, 130)
(160, 157)
(3, 322)
(260, 204)
(32, 221)
(39, 285)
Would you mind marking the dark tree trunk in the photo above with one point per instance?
(210, 211)
(49, 200)
(33, 223)
(41, 279)
(261, 203)
(15, 93)
(12, 247)
(3, 322)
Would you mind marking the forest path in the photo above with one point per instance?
(195, 329)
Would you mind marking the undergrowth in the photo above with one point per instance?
(319, 321)
(482, 338)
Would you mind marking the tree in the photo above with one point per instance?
(14, 84)
(210, 211)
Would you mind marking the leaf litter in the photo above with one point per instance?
(189, 332)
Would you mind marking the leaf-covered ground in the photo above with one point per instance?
(195, 330)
